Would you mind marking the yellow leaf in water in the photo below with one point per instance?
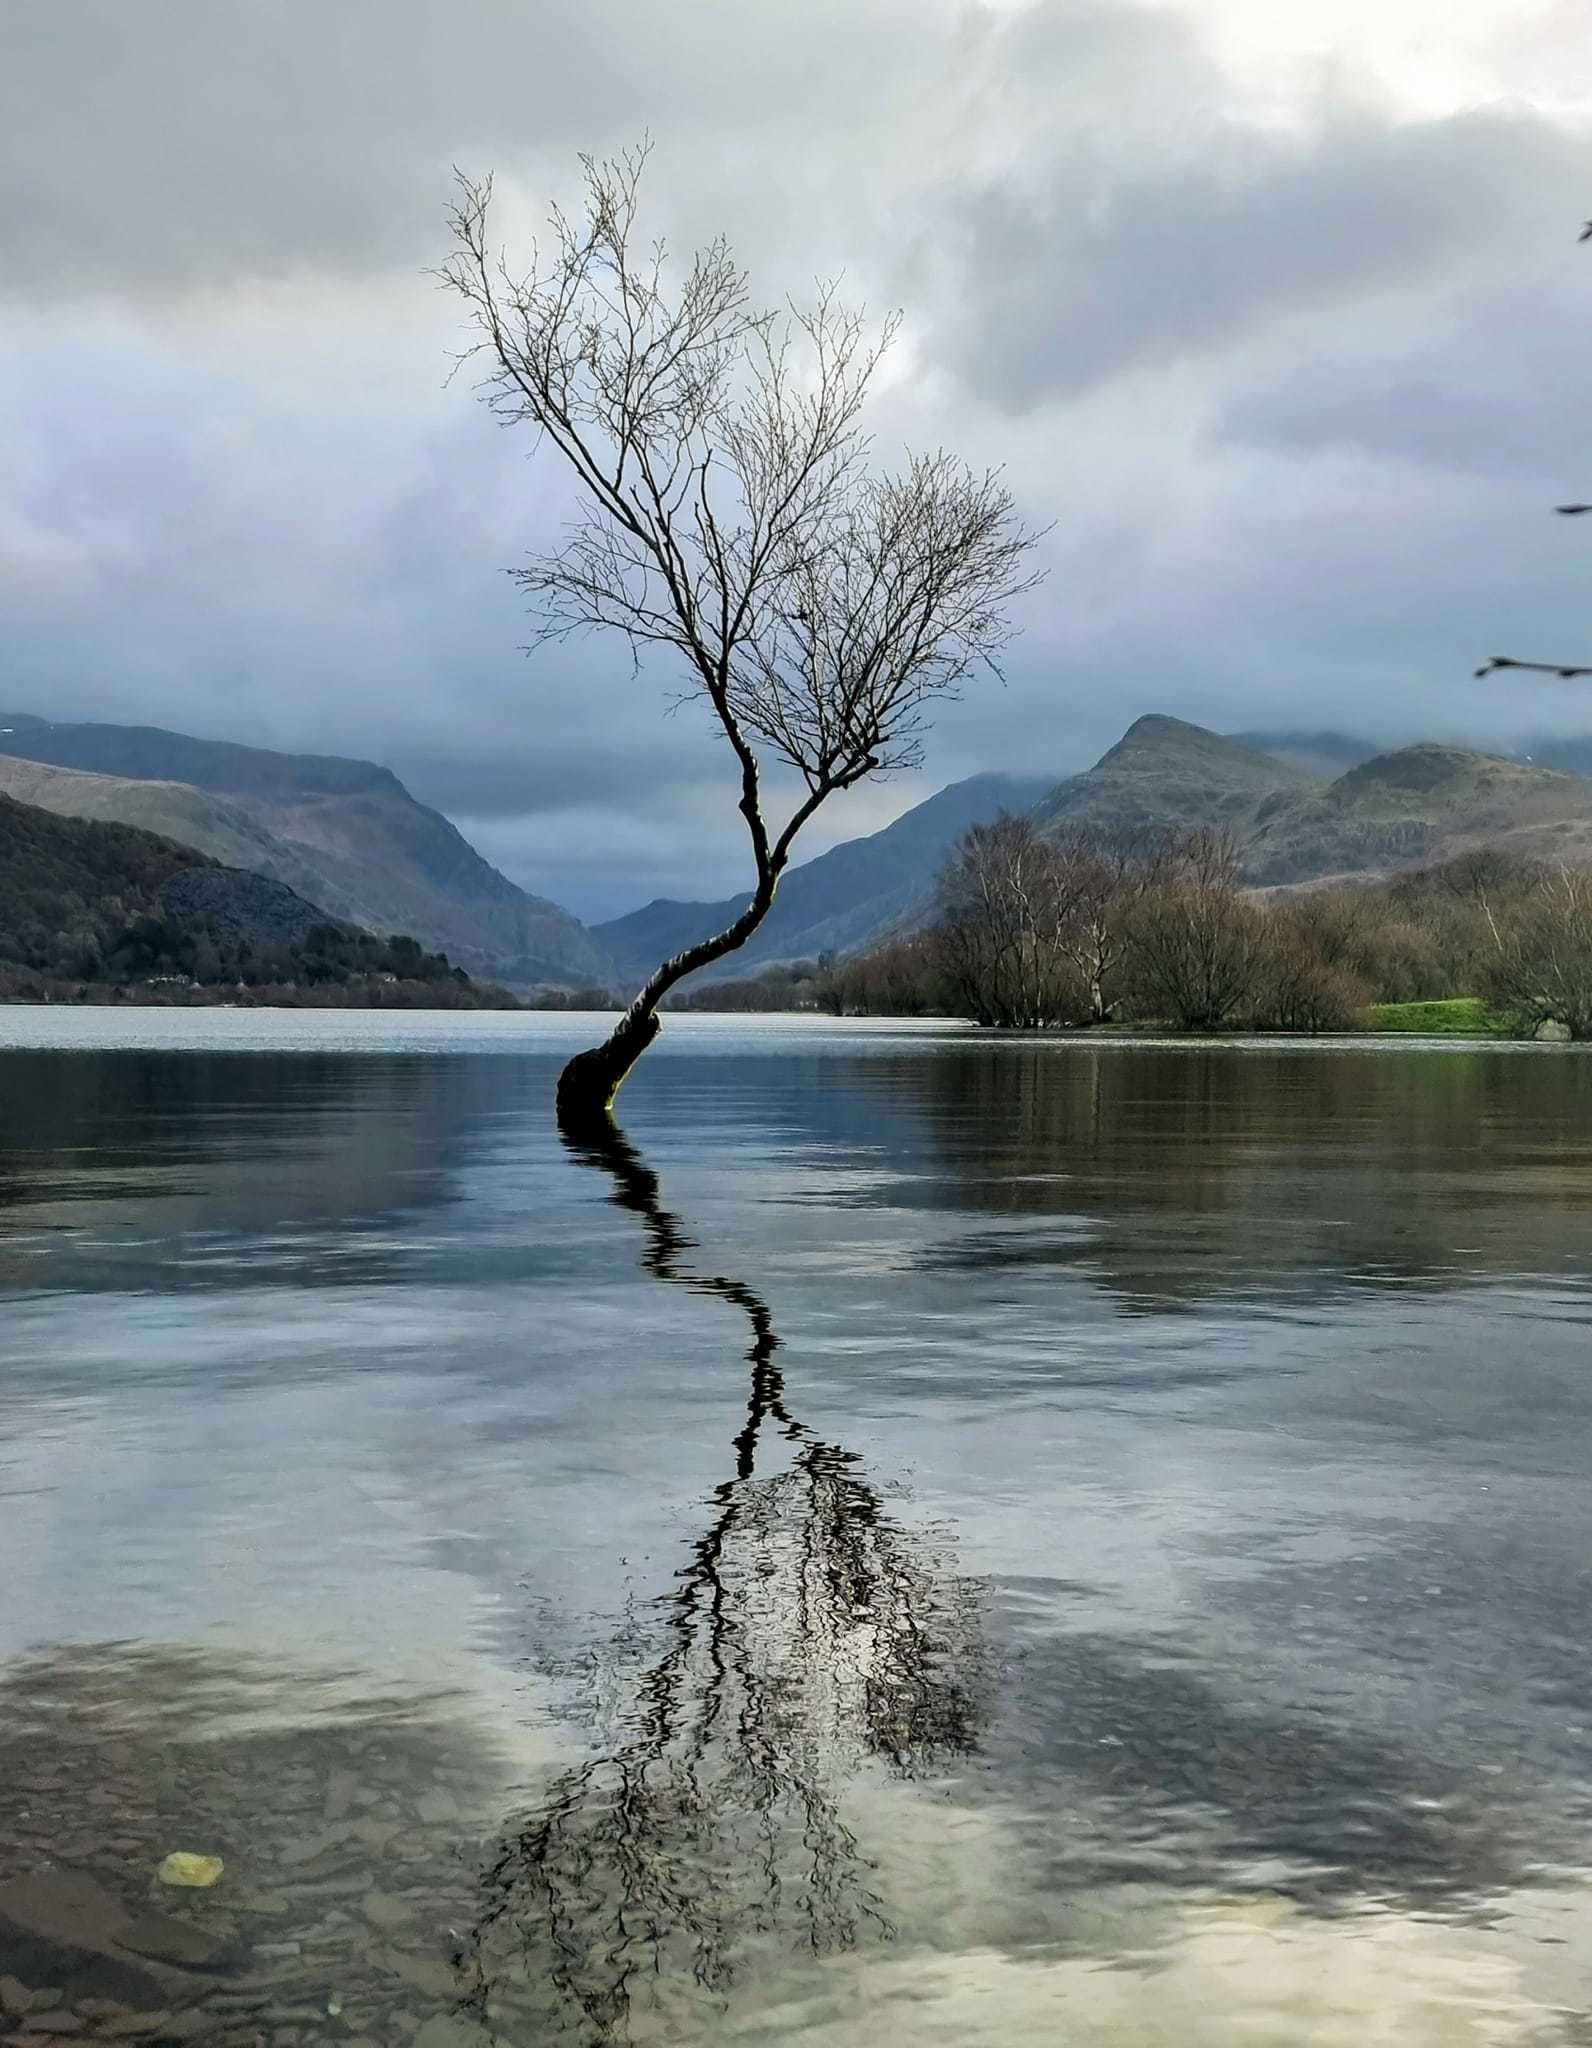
(181, 1867)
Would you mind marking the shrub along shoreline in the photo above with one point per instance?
(1033, 932)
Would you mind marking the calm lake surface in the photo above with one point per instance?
(934, 1539)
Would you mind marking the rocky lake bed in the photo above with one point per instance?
(345, 1861)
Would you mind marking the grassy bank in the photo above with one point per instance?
(1457, 1017)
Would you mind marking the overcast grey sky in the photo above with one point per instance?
(1273, 307)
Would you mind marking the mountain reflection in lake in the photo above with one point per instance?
(934, 1539)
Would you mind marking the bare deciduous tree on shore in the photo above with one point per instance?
(1004, 902)
(1100, 878)
(730, 517)
(1196, 945)
(1038, 929)
(1541, 972)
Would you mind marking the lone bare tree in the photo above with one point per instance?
(730, 514)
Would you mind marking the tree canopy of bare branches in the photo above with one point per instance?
(1039, 931)
(1005, 902)
(1541, 971)
(1197, 946)
(731, 518)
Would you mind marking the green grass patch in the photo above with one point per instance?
(1457, 1017)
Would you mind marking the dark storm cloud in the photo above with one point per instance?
(1485, 379)
(1292, 365)
(1111, 257)
(178, 143)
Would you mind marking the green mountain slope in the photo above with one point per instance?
(1164, 773)
(345, 833)
(68, 889)
(1416, 806)
(842, 900)
(85, 902)
(1407, 808)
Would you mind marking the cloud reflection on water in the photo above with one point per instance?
(1252, 1384)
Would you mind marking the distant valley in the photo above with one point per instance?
(837, 902)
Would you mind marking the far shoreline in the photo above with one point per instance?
(554, 1022)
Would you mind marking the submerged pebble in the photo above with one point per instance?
(183, 1867)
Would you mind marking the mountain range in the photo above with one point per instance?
(89, 907)
(345, 834)
(1165, 775)
(1303, 807)
(1407, 808)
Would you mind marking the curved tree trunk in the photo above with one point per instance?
(588, 1085)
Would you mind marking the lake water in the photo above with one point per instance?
(932, 1539)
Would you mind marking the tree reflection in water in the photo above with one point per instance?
(808, 1634)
